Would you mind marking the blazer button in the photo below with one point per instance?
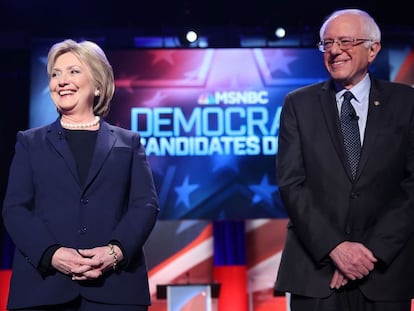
(354, 195)
(82, 230)
(84, 201)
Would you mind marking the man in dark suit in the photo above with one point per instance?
(350, 242)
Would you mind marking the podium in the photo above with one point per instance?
(189, 296)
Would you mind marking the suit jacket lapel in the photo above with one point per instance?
(104, 143)
(329, 108)
(56, 136)
(377, 104)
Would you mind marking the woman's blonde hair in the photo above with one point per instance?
(90, 54)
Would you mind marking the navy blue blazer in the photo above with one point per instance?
(45, 204)
(326, 206)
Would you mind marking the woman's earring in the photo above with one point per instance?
(97, 93)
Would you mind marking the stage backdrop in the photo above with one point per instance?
(209, 119)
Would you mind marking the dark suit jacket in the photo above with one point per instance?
(45, 205)
(325, 206)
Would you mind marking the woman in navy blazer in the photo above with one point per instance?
(81, 200)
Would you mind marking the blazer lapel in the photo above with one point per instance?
(104, 143)
(329, 108)
(56, 136)
(376, 106)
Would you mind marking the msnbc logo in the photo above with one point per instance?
(234, 98)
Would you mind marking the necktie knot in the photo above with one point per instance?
(348, 96)
(347, 110)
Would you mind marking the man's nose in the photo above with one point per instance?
(336, 47)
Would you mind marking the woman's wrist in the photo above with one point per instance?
(113, 252)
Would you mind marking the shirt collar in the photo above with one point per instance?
(360, 90)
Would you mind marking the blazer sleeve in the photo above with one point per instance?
(394, 228)
(27, 230)
(314, 230)
(137, 223)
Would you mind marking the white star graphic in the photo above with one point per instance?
(263, 191)
(280, 62)
(184, 192)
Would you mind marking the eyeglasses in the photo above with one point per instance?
(343, 43)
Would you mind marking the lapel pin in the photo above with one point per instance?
(376, 103)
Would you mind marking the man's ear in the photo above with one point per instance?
(373, 51)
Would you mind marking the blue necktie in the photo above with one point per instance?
(350, 131)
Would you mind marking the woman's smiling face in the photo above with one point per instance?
(72, 86)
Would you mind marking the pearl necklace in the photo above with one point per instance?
(80, 125)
